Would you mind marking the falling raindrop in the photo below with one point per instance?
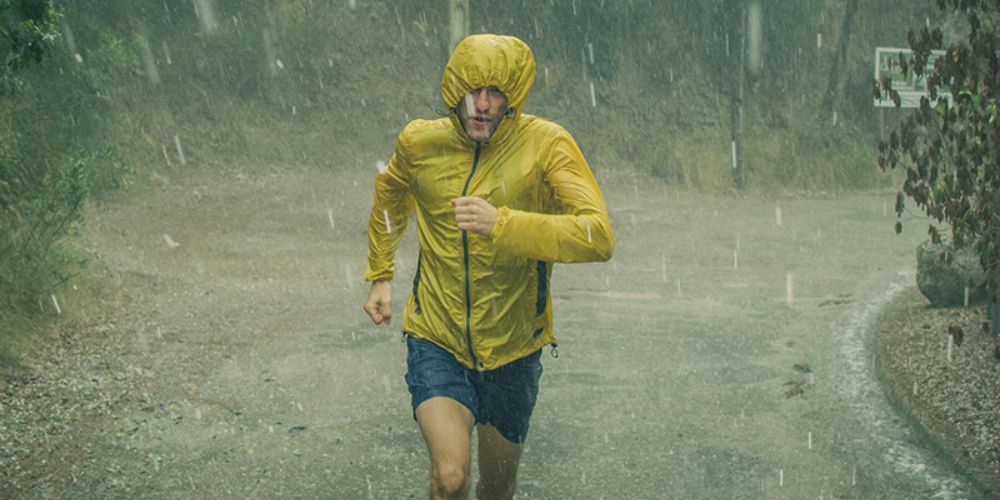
(166, 54)
(966, 300)
(71, 42)
(269, 52)
(470, 107)
(589, 240)
(789, 289)
(170, 241)
(388, 226)
(166, 156)
(329, 213)
(352, 3)
(810, 440)
(753, 37)
(781, 477)
(777, 215)
(951, 343)
(819, 40)
(197, 413)
(56, 303)
(546, 73)
(734, 154)
(180, 150)
(834, 118)
(590, 51)
(149, 60)
(78, 57)
(206, 15)
(593, 95)
(736, 259)
(279, 64)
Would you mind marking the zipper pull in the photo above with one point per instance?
(555, 351)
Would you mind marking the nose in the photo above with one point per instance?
(481, 99)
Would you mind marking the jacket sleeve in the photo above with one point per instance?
(390, 213)
(580, 233)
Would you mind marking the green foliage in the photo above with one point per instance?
(27, 33)
(113, 61)
(40, 205)
(949, 151)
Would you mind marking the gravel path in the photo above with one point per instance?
(724, 352)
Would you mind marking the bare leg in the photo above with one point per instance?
(447, 428)
(498, 461)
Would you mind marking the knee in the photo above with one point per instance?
(450, 481)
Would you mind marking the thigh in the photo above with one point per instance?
(498, 457)
(433, 372)
(447, 429)
(507, 395)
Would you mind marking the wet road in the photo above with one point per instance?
(722, 353)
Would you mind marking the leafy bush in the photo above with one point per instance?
(27, 32)
(948, 148)
(40, 208)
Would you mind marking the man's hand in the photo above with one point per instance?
(475, 214)
(377, 303)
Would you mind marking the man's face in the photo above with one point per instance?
(481, 111)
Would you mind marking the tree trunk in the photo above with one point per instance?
(736, 106)
(835, 84)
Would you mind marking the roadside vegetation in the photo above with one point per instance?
(948, 147)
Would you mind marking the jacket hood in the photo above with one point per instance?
(504, 62)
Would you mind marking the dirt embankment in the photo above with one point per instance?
(951, 392)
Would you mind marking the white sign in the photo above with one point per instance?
(910, 86)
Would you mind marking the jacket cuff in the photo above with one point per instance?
(378, 276)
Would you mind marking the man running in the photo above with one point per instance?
(499, 196)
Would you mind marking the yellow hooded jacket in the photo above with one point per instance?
(486, 299)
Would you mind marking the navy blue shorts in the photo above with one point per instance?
(503, 398)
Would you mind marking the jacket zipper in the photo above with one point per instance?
(416, 283)
(465, 251)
